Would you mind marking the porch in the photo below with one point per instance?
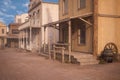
(60, 53)
(71, 48)
(29, 37)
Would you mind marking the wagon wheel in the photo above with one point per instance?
(112, 47)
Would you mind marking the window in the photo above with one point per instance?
(33, 14)
(64, 35)
(3, 31)
(15, 31)
(38, 11)
(65, 6)
(82, 34)
(81, 4)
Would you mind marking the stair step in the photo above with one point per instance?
(83, 56)
(88, 63)
(85, 59)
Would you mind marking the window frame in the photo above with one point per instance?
(79, 4)
(81, 36)
(65, 7)
(3, 31)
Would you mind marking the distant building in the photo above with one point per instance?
(21, 18)
(13, 35)
(3, 31)
(34, 36)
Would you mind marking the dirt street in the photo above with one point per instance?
(16, 65)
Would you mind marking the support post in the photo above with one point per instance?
(49, 50)
(63, 55)
(54, 54)
(23, 38)
(44, 39)
(30, 38)
(26, 39)
(19, 40)
(54, 39)
(40, 39)
(69, 39)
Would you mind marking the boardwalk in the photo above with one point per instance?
(16, 65)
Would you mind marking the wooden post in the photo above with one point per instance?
(95, 28)
(19, 39)
(44, 39)
(69, 39)
(49, 50)
(54, 43)
(63, 55)
(26, 39)
(54, 54)
(39, 40)
(23, 38)
(30, 38)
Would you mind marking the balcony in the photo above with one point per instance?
(35, 23)
(24, 25)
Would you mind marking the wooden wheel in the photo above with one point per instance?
(112, 47)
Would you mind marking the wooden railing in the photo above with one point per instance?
(58, 48)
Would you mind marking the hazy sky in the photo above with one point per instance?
(10, 8)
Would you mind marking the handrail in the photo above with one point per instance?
(62, 52)
(62, 44)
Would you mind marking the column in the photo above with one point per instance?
(44, 38)
(26, 38)
(23, 39)
(30, 38)
(54, 52)
(69, 39)
(19, 40)
(40, 40)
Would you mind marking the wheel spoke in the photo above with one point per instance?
(112, 47)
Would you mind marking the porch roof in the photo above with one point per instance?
(69, 18)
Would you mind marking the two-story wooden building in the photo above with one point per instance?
(33, 35)
(13, 35)
(86, 26)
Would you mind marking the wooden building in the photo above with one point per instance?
(13, 35)
(3, 35)
(106, 24)
(86, 26)
(33, 36)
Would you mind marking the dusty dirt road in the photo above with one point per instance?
(16, 65)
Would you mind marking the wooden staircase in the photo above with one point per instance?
(83, 59)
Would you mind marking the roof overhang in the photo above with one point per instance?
(70, 18)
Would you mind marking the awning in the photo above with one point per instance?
(67, 19)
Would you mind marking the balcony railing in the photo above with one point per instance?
(24, 25)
